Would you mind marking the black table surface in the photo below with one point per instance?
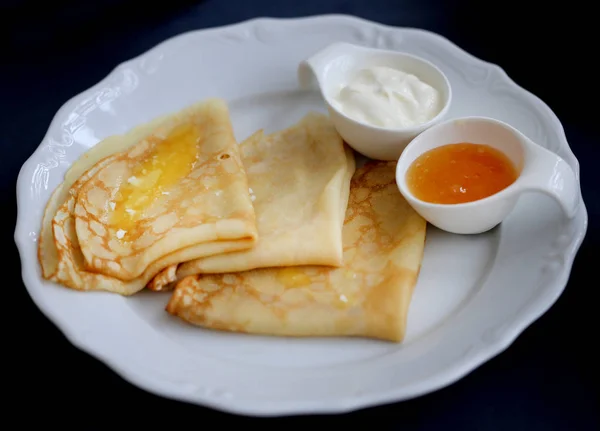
(546, 380)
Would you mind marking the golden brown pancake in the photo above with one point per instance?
(222, 207)
(47, 254)
(183, 186)
(369, 296)
(300, 181)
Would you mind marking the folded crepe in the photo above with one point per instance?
(369, 296)
(300, 181)
(189, 199)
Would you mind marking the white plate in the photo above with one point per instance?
(475, 293)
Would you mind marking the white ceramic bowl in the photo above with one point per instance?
(540, 170)
(336, 64)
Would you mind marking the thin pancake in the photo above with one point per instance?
(59, 252)
(383, 249)
(300, 180)
(70, 269)
(182, 186)
(47, 253)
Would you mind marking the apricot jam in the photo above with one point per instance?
(459, 173)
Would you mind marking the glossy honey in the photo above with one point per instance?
(172, 159)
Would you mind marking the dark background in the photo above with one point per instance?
(547, 380)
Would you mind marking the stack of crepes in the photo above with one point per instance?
(277, 235)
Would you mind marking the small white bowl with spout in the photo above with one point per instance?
(336, 65)
(539, 170)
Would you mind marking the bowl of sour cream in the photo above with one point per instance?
(378, 100)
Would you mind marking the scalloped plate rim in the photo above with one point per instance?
(444, 377)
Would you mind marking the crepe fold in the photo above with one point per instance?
(383, 239)
(190, 198)
(299, 181)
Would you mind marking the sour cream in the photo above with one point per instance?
(386, 97)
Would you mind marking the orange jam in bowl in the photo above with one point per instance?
(460, 173)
